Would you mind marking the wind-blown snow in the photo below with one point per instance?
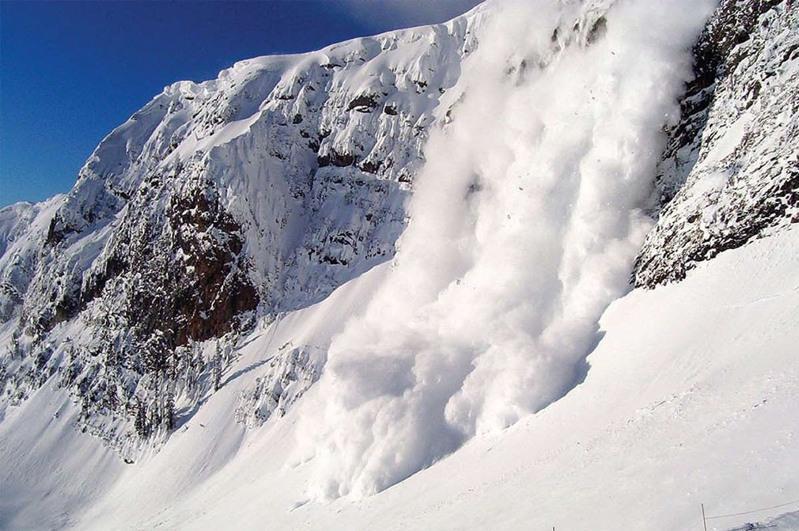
(524, 224)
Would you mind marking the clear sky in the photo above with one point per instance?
(72, 71)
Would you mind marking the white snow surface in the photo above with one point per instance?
(689, 399)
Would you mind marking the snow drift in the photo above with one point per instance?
(524, 224)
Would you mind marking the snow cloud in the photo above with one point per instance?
(524, 224)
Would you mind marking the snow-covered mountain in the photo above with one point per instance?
(216, 206)
(276, 293)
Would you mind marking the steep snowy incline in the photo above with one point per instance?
(690, 398)
(51, 472)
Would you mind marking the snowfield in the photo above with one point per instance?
(690, 398)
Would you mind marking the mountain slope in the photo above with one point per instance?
(167, 321)
(659, 426)
(216, 205)
(676, 394)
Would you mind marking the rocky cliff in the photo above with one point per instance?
(730, 172)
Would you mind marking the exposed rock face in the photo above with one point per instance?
(730, 172)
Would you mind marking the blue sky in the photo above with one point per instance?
(72, 71)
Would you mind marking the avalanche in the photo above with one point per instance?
(524, 225)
